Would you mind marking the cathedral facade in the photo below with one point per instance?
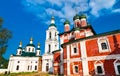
(27, 59)
(85, 53)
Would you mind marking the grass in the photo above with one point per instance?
(26, 74)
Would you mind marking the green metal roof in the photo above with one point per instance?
(52, 25)
(38, 48)
(30, 54)
(76, 29)
(66, 22)
(83, 16)
(80, 29)
(31, 45)
(19, 47)
(76, 17)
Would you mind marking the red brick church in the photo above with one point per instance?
(85, 53)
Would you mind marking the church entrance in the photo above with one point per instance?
(47, 67)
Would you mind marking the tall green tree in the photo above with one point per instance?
(5, 35)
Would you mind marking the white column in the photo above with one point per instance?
(43, 65)
(46, 47)
(61, 58)
(68, 60)
(47, 34)
(84, 58)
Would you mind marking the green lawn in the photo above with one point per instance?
(26, 74)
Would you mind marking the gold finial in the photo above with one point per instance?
(38, 43)
(31, 39)
(52, 19)
(76, 10)
(52, 15)
(20, 42)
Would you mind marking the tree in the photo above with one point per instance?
(5, 35)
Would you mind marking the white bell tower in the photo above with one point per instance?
(51, 44)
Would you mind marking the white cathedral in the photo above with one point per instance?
(28, 59)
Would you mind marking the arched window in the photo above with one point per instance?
(74, 49)
(76, 69)
(117, 67)
(20, 52)
(99, 70)
(29, 49)
(36, 67)
(104, 45)
(18, 61)
(32, 49)
(17, 68)
(28, 67)
(49, 48)
(47, 66)
(50, 35)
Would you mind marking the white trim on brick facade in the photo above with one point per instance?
(103, 40)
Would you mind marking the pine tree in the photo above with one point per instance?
(5, 35)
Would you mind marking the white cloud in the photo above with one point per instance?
(66, 8)
(116, 11)
(97, 5)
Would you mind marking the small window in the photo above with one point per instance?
(28, 67)
(20, 52)
(17, 68)
(118, 68)
(104, 46)
(99, 70)
(29, 49)
(76, 69)
(35, 67)
(50, 35)
(18, 61)
(49, 48)
(33, 49)
(75, 50)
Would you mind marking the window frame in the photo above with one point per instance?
(115, 67)
(75, 45)
(103, 40)
(74, 70)
(102, 67)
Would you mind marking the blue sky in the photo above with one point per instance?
(31, 18)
